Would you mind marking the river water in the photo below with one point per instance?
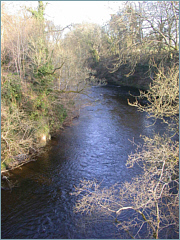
(96, 146)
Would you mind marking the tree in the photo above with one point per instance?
(30, 106)
(78, 49)
(163, 20)
(15, 42)
(39, 13)
(142, 31)
(163, 96)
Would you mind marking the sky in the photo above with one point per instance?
(64, 13)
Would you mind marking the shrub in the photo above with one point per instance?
(11, 90)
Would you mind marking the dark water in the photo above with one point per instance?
(96, 146)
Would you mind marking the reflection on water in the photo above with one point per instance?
(96, 146)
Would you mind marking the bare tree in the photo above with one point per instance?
(163, 96)
(142, 31)
(151, 200)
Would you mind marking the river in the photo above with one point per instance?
(95, 146)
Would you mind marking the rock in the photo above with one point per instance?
(21, 157)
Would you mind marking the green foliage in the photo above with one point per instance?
(11, 90)
(39, 13)
(23, 125)
(44, 76)
(95, 55)
(3, 166)
(57, 117)
(45, 70)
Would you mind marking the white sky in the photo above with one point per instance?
(64, 13)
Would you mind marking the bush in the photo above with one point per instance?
(11, 90)
(17, 132)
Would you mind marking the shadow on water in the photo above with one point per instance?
(96, 146)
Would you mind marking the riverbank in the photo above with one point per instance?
(22, 159)
(30, 115)
(140, 78)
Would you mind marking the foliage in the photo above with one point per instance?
(16, 133)
(140, 32)
(11, 90)
(163, 96)
(26, 116)
(30, 106)
(39, 13)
